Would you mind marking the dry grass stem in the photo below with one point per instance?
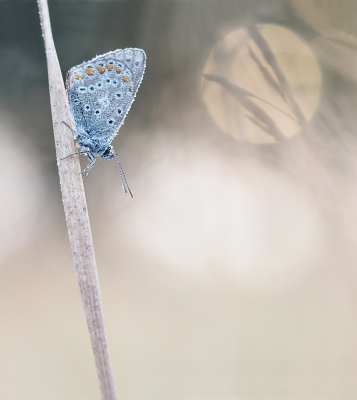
(75, 208)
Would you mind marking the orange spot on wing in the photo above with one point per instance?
(118, 69)
(76, 76)
(89, 71)
(81, 76)
(110, 66)
(100, 69)
(131, 88)
(126, 78)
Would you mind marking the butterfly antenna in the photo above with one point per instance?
(122, 177)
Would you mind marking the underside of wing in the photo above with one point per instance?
(102, 90)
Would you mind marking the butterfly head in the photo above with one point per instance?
(108, 153)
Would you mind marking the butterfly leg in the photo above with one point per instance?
(73, 154)
(70, 127)
(90, 165)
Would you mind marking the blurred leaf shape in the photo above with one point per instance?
(328, 16)
(268, 84)
(335, 26)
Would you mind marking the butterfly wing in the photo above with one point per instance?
(101, 91)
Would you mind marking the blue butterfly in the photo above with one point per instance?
(100, 93)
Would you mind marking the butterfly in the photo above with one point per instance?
(100, 93)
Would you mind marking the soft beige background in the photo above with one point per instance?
(232, 273)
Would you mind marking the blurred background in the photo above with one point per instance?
(232, 273)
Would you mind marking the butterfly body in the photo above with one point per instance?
(92, 142)
(100, 93)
